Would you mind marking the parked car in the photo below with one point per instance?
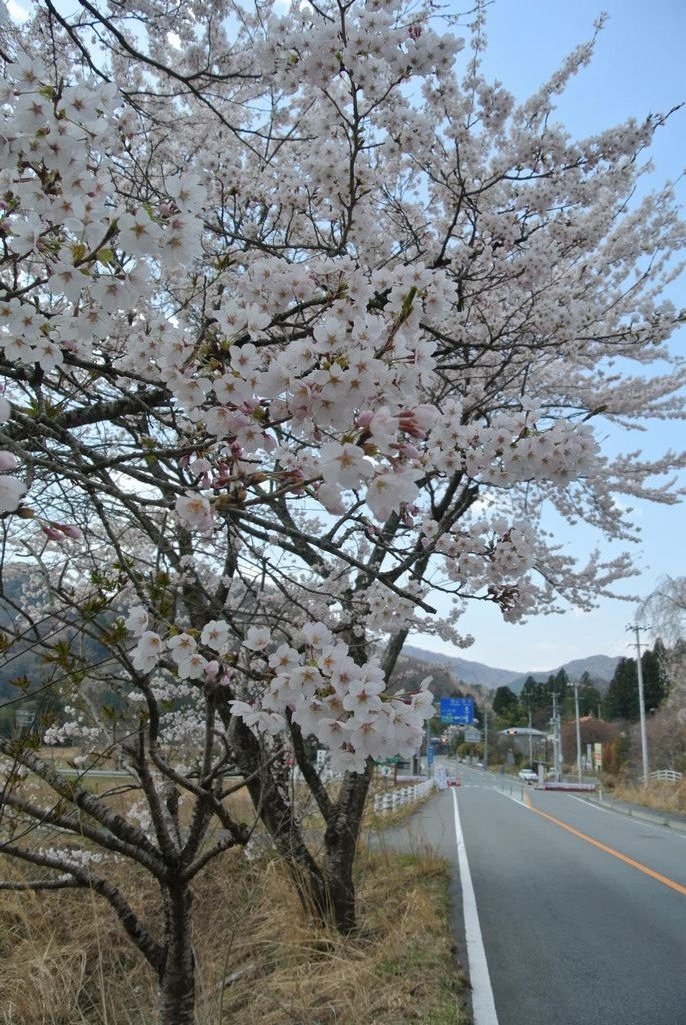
(528, 776)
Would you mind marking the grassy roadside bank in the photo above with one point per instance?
(64, 960)
(660, 796)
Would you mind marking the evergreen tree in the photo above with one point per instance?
(590, 698)
(561, 684)
(621, 700)
(655, 684)
(506, 705)
(533, 694)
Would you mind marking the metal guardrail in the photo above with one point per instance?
(390, 800)
(94, 773)
(550, 785)
(666, 776)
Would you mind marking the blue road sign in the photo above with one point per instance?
(458, 711)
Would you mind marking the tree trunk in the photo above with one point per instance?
(340, 910)
(340, 840)
(327, 892)
(177, 975)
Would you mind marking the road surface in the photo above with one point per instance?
(581, 910)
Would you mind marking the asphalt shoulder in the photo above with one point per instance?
(669, 819)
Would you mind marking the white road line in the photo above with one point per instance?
(483, 1004)
(638, 819)
(590, 804)
(512, 797)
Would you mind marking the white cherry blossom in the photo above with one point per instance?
(257, 638)
(215, 635)
(146, 654)
(195, 510)
(11, 493)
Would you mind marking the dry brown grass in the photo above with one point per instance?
(398, 969)
(663, 796)
(65, 961)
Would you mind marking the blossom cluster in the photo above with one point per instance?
(77, 724)
(83, 255)
(320, 688)
(77, 255)
(316, 685)
(352, 392)
(72, 857)
(380, 48)
(513, 448)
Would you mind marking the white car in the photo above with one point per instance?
(528, 776)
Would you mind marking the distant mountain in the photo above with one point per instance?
(599, 667)
(463, 669)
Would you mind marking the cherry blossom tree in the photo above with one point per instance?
(664, 613)
(306, 325)
(665, 610)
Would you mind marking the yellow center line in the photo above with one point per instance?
(608, 850)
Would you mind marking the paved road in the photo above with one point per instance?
(582, 911)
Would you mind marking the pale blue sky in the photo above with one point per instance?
(638, 69)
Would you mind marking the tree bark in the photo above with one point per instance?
(340, 841)
(177, 974)
(273, 806)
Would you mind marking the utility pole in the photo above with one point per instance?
(641, 705)
(557, 740)
(578, 729)
(531, 748)
(485, 737)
